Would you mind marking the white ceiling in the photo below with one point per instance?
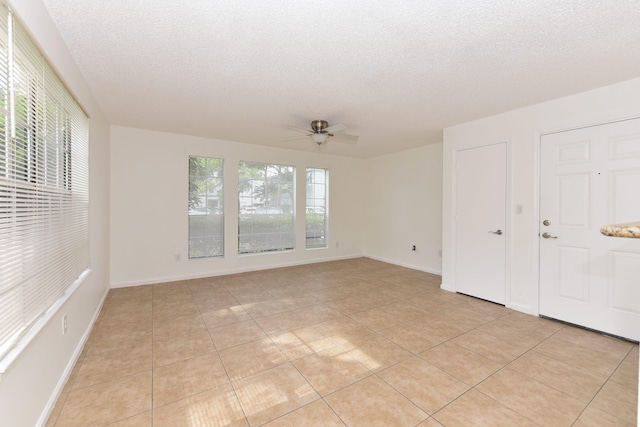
(396, 73)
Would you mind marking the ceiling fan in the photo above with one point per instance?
(320, 132)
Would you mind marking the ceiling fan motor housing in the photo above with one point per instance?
(319, 126)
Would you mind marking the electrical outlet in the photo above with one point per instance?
(64, 323)
(178, 257)
(337, 244)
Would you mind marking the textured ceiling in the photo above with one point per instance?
(396, 73)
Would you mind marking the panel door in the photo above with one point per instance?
(590, 177)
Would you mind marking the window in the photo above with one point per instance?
(44, 198)
(206, 210)
(266, 205)
(316, 211)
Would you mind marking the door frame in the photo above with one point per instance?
(537, 190)
(508, 209)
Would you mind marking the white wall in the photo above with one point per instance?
(404, 208)
(522, 129)
(30, 386)
(149, 183)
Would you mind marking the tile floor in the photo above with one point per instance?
(355, 342)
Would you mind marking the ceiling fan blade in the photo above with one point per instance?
(298, 129)
(335, 128)
(345, 137)
(296, 138)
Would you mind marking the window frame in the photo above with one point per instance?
(313, 211)
(212, 217)
(259, 208)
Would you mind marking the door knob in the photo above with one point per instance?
(548, 236)
(498, 232)
(546, 222)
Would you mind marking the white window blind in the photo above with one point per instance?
(266, 206)
(44, 199)
(316, 210)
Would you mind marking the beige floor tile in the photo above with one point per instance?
(575, 382)
(377, 299)
(435, 324)
(466, 316)
(514, 332)
(101, 342)
(171, 349)
(317, 313)
(430, 422)
(546, 326)
(376, 319)
(314, 414)
(371, 403)
(490, 346)
(205, 305)
(236, 333)
(101, 367)
(341, 318)
(431, 303)
(534, 400)
(107, 402)
(139, 321)
(627, 373)
(302, 342)
(348, 305)
(187, 378)
(598, 362)
(474, 409)
(412, 336)
(491, 309)
(265, 307)
(179, 325)
(463, 364)
(281, 322)
(285, 291)
(404, 311)
(343, 327)
(330, 370)
(141, 420)
(127, 310)
(617, 400)
(213, 408)
(273, 393)
(592, 417)
(376, 352)
(595, 341)
(225, 316)
(55, 412)
(425, 385)
(299, 300)
(251, 358)
(169, 311)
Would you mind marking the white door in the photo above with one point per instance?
(590, 177)
(481, 182)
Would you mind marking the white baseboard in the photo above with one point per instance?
(448, 288)
(48, 409)
(406, 265)
(166, 279)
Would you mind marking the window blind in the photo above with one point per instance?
(44, 198)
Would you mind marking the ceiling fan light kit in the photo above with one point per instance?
(320, 132)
